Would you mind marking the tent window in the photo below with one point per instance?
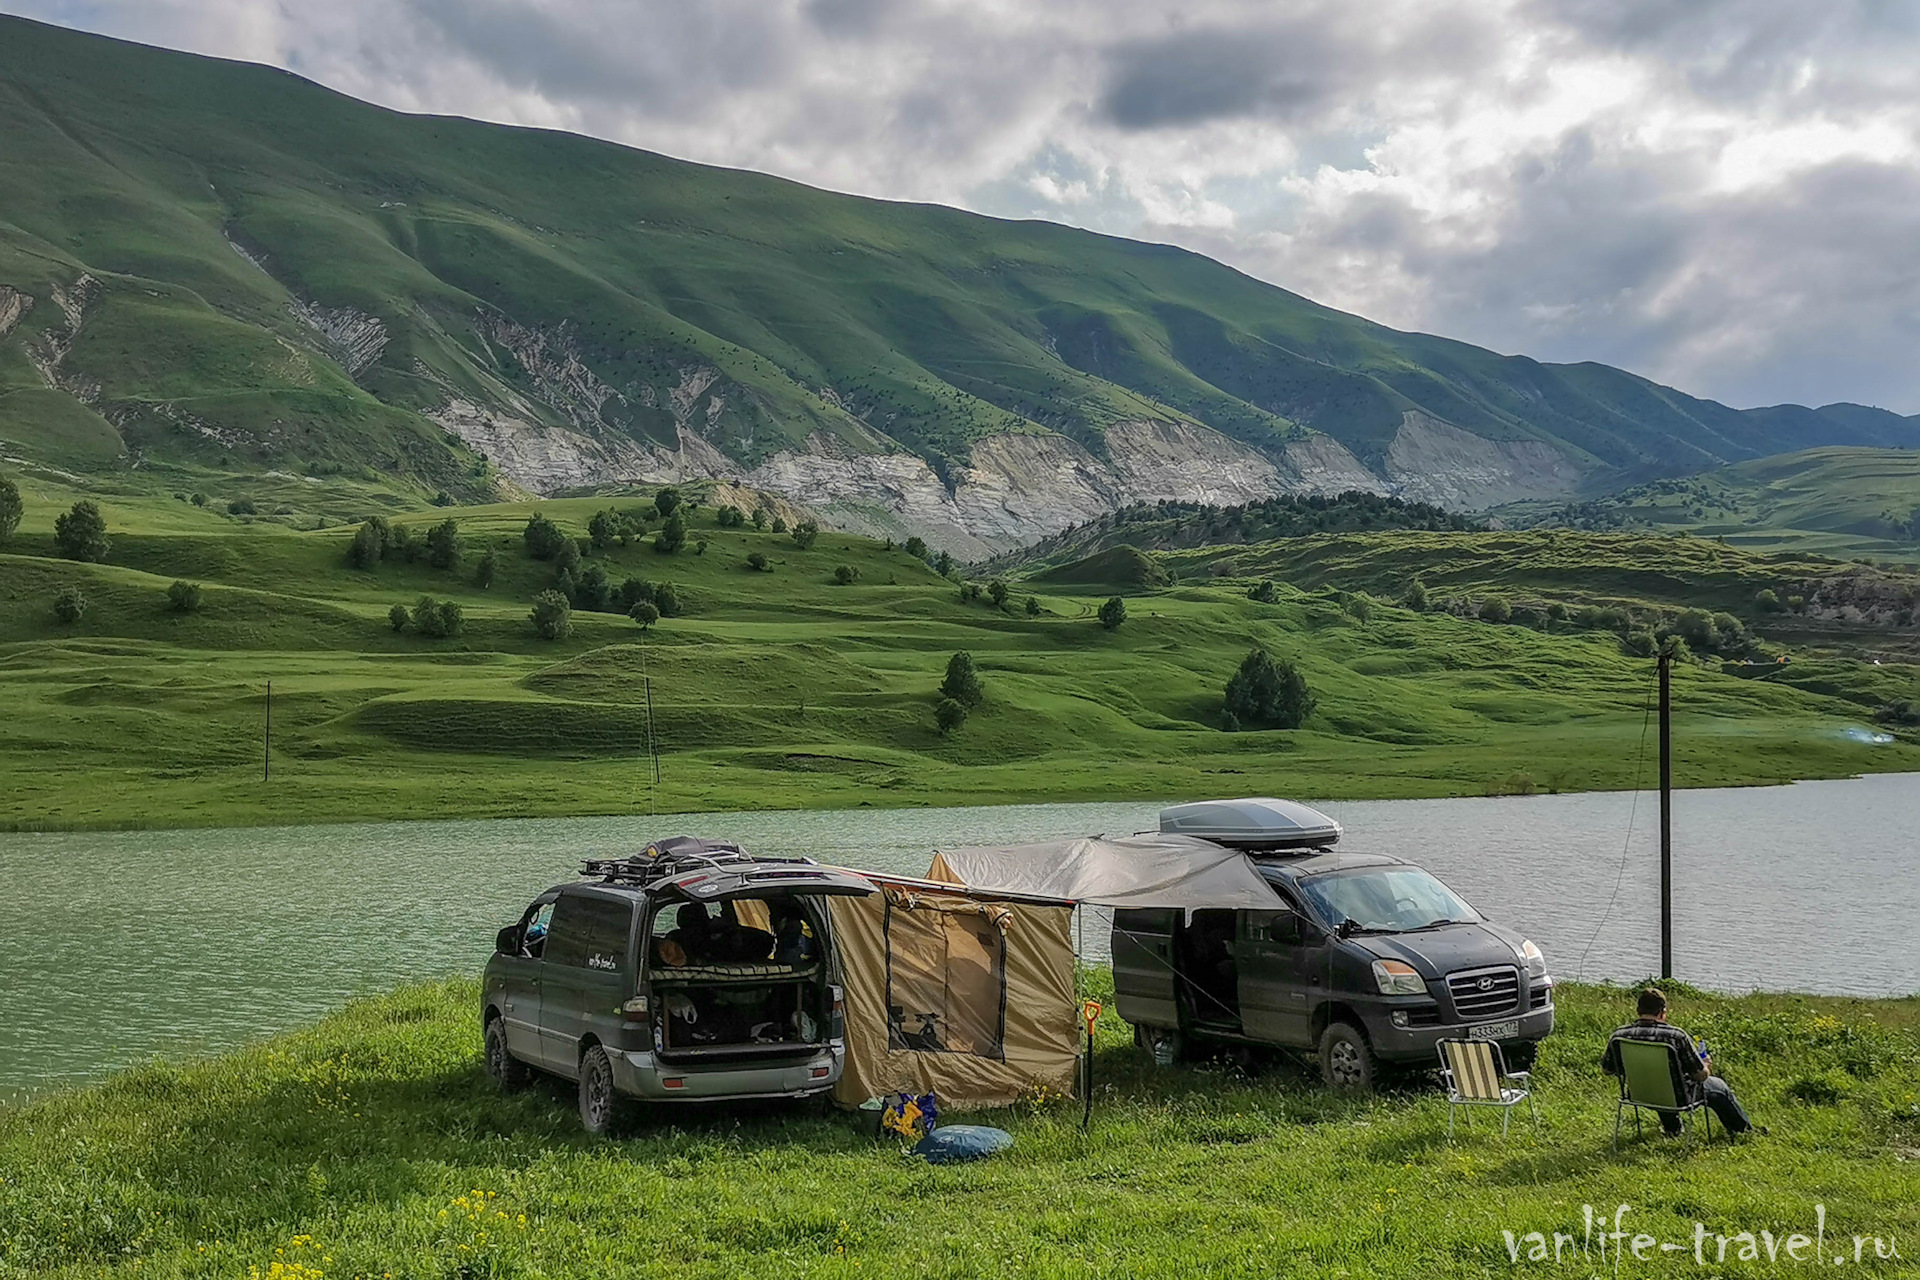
(946, 982)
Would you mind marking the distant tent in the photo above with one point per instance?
(967, 994)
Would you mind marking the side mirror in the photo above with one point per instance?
(507, 941)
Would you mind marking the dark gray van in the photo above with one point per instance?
(1367, 959)
(692, 971)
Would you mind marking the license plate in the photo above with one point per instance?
(1494, 1031)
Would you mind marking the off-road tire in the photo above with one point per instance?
(1522, 1057)
(603, 1111)
(1149, 1038)
(1347, 1063)
(511, 1074)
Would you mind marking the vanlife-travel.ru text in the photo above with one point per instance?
(1619, 1246)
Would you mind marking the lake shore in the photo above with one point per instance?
(372, 1144)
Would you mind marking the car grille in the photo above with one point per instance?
(1484, 993)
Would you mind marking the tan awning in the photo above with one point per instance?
(1134, 871)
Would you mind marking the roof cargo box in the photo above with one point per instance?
(1252, 823)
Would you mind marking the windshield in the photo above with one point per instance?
(1386, 899)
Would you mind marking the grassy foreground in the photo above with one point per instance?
(783, 689)
(373, 1145)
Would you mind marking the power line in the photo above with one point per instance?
(1639, 770)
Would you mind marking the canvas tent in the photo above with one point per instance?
(967, 994)
(962, 983)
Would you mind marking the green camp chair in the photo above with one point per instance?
(1476, 1075)
(1650, 1081)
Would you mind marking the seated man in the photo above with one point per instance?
(1696, 1069)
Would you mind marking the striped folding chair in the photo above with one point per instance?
(1476, 1075)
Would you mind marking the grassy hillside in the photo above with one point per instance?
(788, 688)
(220, 264)
(373, 1145)
(1832, 501)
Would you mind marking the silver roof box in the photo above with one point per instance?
(1252, 823)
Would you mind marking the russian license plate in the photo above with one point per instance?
(1495, 1030)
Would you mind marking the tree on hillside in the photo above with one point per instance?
(963, 681)
(949, 714)
(552, 616)
(917, 547)
(805, 533)
(779, 524)
(1261, 592)
(943, 564)
(1113, 613)
(672, 535)
(604, 529)
(81, 534)
(757, 561)
(398, 617)
(1417, 596)
(1495, 609)
(729, 516)
(997, 592)
(401, 544)
(644, 614)
(10, 508)
(437, 619)
(1265, 694)
(759, 517)
(242, 507)
(592, 591)
(667, 600)
(369, 545)
(483, 573)
(544, 538)
(1033, 606)
(846, 575)
(443, 545)
(184, 597)
(69, 604)
(667, 501)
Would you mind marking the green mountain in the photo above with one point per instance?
(214, 265)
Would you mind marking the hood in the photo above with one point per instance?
(1438, 952)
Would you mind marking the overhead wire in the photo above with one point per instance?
(1626, 848)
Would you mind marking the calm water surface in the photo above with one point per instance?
(131, 944)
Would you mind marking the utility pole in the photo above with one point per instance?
(266, 745)
(1666, 815)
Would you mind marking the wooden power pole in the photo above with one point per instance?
(1666, 815)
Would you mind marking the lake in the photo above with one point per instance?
(132, 944)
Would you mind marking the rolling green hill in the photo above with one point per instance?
(789, 687)
(225, 268)
(1833, 501)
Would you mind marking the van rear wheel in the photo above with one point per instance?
(602, 1110)
(511, 1074)
(1346, 1059)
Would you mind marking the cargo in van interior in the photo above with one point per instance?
(739, 978)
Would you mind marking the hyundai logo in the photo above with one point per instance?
(1485, 984)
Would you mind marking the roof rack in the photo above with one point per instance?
(675, 856)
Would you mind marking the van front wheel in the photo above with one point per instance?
(1346, 1060)
(511, 1074)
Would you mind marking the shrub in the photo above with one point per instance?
(81, 534)
(969, 592)
(443, 545)
(400, 544)
(369, 544)
(566, 561)
(1033, 606)
(943, 564)
(1556, 612)
(1265, 694)
(962, 684)
(483, 572)
(1358, 607)
(398, 617)
(700, 547)
(667, 600)
(10, 508)
(437, 619)
(997, 592)
(69, 604)
(757, 561)
(1796, 603)
(672, 535)
(1639, 643)
(779, 524)
(184, 597)
(949, 714)
(805, 534)
(729, 517)
(200, 499)
(1766, 601)
(603, 529)
(846, 575)
(592, 591)
(1417, 596)
(544, 538)
(667, 501)
(1261, 592)
(644, 614)
(917, 547)
(242, 507)
(1495, 609)
(552, 616)
(759, 517)
(1113, 613)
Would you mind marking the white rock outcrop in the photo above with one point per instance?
(1433, 461)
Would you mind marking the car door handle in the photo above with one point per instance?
(508, 1006)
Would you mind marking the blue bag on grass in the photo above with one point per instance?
(954, 1143)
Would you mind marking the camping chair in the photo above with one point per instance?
(1476, 1075)
(1650, 1081)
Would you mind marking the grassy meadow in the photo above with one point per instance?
(373, 1145)
(785, 688)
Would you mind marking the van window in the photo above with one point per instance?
(946, 982)
(1390, 899)
(589, 932)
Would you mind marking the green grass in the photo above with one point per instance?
(494, 257)
(373, 1145)
(783, 689)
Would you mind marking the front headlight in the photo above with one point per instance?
(1535, 961)
(1398, 978)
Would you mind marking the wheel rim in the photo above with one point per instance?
(1343, 1062)
(599, 1087)
(496, 1052)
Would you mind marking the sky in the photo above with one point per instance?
(1723, 195)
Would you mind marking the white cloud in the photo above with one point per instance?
(1719, 194)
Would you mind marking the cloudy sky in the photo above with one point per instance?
(1721, 194)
